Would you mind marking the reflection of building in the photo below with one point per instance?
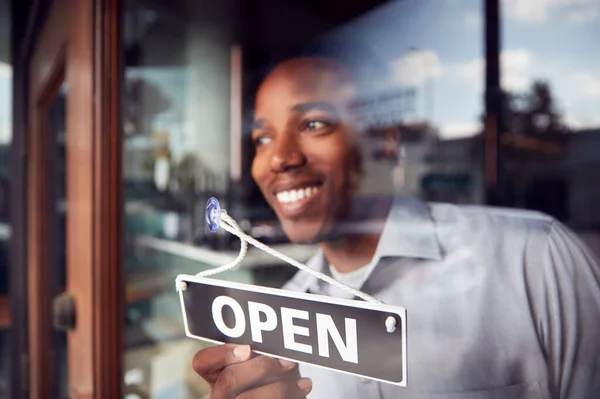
(581, 167)
(534, 177)
(386, 108)
(410, 156)
(557, 175)
(432, 168)
(455, 173)
(417, 140)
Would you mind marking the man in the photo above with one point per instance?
(502, 303)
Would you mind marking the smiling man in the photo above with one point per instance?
(308, 162)
(501, 303)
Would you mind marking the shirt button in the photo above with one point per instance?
(366, 381)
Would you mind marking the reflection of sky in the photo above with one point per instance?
(438, 47)
(560, 41)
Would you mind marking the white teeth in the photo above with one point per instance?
(296, 195)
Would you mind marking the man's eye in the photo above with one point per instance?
(262, 140)
(315, 125)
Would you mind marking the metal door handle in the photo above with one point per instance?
(64, 312)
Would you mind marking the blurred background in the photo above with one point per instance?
(496, 103)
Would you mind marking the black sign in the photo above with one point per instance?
(350, 336)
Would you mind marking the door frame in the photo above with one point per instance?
(91, 55)
(46, 73)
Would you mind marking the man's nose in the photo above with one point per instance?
(287, 155)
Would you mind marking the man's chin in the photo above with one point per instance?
(303, 235)
(302, 239)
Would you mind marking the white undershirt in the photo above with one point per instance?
(354, 279)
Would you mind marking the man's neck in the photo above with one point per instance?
(351, 253)
(357, 242)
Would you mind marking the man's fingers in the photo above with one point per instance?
(280, 390)
(208, 362)
(261, 370)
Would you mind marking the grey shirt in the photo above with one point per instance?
(501, 304)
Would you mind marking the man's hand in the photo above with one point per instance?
(232, 372)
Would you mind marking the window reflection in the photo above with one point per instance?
(192, 71)
(176, 124)
(552, 92)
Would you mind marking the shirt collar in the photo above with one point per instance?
(409, 231)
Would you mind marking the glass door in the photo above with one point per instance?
(48, 206)
(63, 312)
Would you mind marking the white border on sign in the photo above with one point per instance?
(400, 311)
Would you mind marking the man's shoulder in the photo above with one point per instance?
(494, 220)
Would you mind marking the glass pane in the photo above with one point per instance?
(191, 76)
(551, 80)
(59, 214)
(351, 134)
(5, 230)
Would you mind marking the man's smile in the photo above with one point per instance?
(295, 200)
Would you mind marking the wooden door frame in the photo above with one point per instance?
(46, 75)
(92, 57)
(109, 271)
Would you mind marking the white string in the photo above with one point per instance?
(228, 224)
(235, 263)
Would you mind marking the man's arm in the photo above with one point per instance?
(565, 303)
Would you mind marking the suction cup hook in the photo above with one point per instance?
(213, 214)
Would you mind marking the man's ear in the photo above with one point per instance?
(356, 162)
(387, 143)
(393, 142)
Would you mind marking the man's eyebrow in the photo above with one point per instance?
(258, 124)
(318, 105)
(302, 108)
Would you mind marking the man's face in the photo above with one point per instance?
(307, 159)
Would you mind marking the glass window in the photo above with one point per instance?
(191, 76)
(354, 131)
(5, 146)
(550, 74)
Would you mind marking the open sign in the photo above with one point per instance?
(349, 336)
